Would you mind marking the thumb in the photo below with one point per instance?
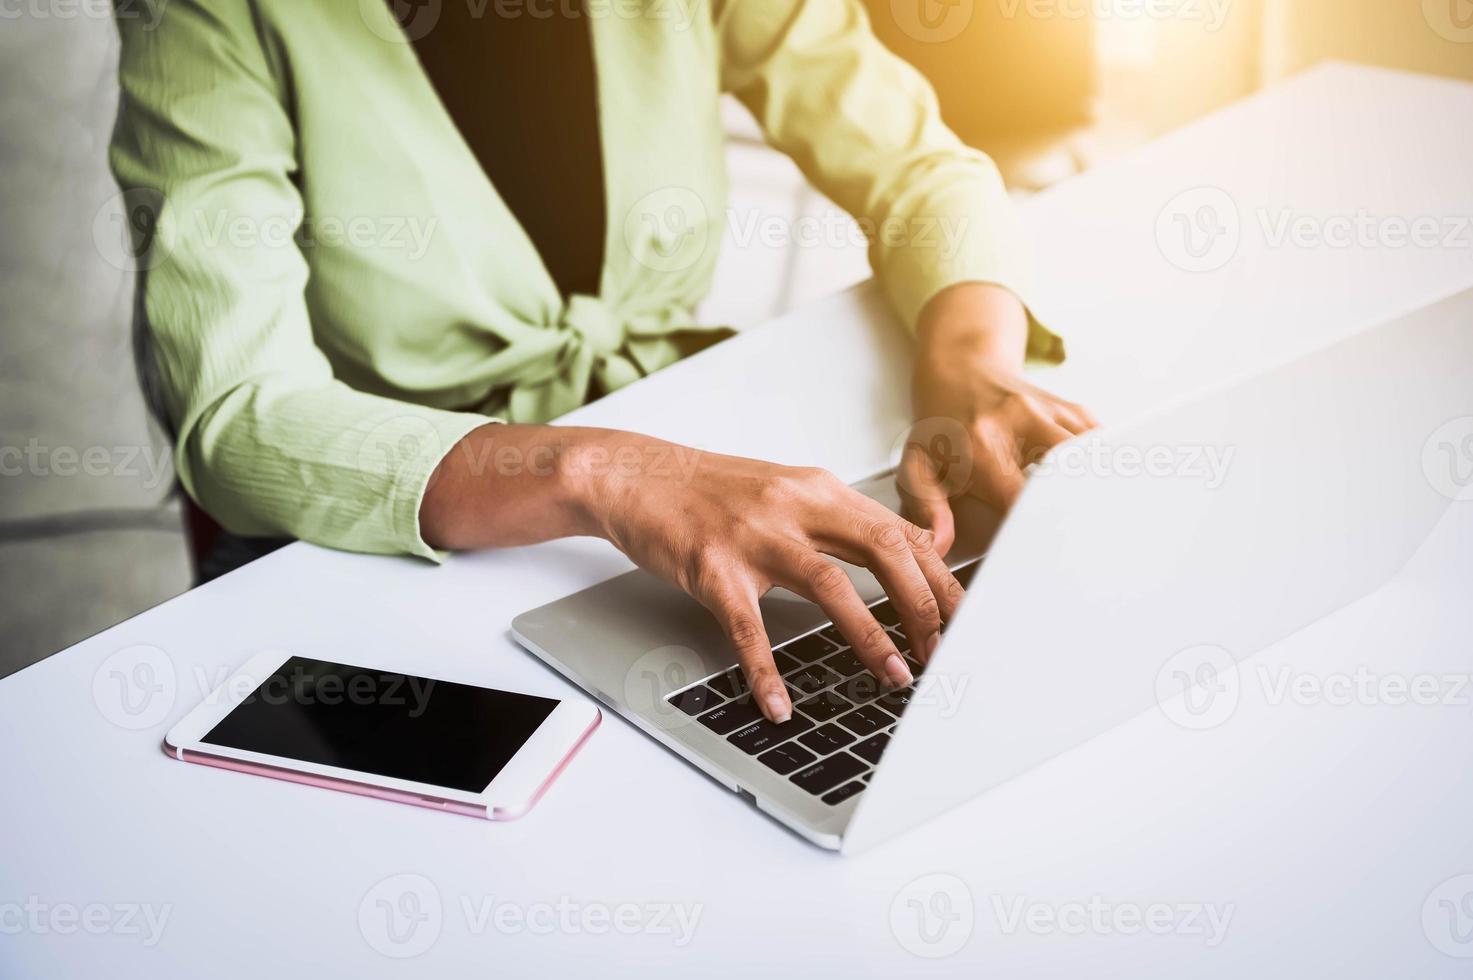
(923, 496)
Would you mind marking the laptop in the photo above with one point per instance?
(1140, 562)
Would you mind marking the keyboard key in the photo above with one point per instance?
(845, 663)
(731, 684)
(843, 792)
(832, 634)
(695, 700)
(821, 707)
(871, 748)
(896, 702)
(785, 758)
(811, 648)
(764, 734)
(813, 678)
(731, 716)
(865, 778)
(829, 738)
(898, 638)
(860, 689)
(885, 613)
(866, 720)
(785, 663)
(824, 775)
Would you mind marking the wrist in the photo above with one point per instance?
(972, 325)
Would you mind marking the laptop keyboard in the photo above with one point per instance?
(842, 716)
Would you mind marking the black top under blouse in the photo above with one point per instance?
(521, 86)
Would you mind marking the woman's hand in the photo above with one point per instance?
(723, 528)
(969, 382)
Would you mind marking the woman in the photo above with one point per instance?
(371, 237)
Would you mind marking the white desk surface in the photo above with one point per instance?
(1321, 831)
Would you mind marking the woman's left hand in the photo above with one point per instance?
(969, 388)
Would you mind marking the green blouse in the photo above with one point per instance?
(336, 294)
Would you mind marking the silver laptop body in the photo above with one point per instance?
(1165, 548)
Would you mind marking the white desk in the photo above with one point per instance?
(1320, 829)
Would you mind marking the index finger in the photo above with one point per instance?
(735, 608)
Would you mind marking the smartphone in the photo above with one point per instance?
(427, 742)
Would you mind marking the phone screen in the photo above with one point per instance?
(373, 721)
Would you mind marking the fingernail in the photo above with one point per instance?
(932, 644)
(777, 708)
(898, 673)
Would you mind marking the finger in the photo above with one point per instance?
(923, 499)
(1071, 418)
(1085, 415)
(815, 578)
(889, 545)
(997, 477)
(1043, 435)
(944, 586)
(734, 603)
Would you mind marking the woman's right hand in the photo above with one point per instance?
(724, 528)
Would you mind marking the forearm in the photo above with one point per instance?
(509, 485)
